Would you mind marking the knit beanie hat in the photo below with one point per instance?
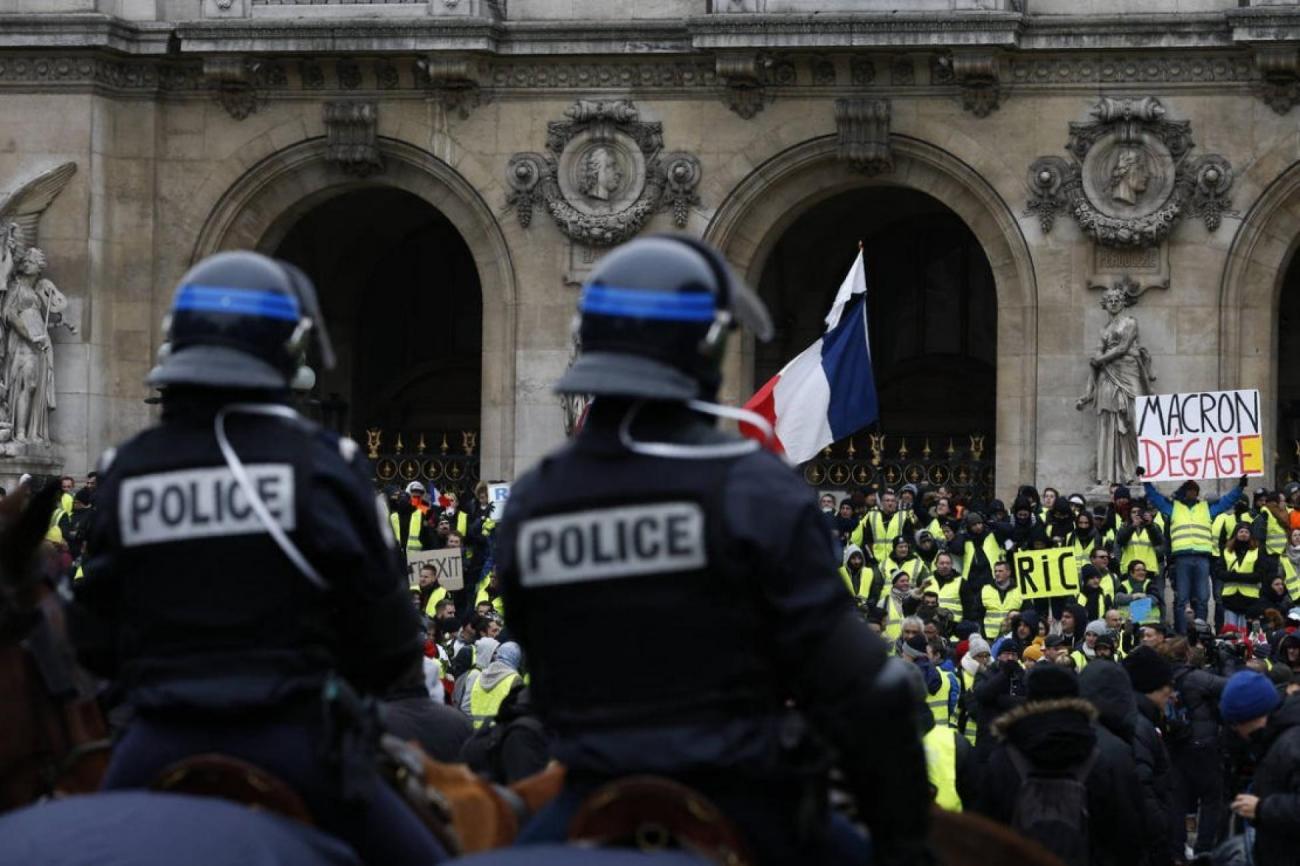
(1105, 640)
(1147, 670)
(914, 647)
(1248, 695)
(978, 645)
(1009, 645)
(1032, 653)
(1097, 627)
(974, 517)
(1089, 570)
(1048, 682)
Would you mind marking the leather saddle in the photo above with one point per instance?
(651, 813)
(216, 775)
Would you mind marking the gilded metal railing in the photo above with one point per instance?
(892, 460)
(445, 467)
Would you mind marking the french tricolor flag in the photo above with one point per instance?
(827, 392)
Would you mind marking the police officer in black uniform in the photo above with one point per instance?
(240, 562)
(732, 651)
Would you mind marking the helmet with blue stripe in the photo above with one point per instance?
(653, 321)
(240, 320)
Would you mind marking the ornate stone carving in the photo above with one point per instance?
(863, 127)
(1131, 68)
(351, 138)
(902, 71)
(32, 306)
(604, 175)
(977, 76)
(861, 71)
(231, 80)
(453, 83)
(823, 73)
(1279, 72)
(743, 76)
(1121, 371)
(1131, 179)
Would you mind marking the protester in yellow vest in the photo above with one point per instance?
(1272, 527)
(947, 583)
(485, 692)
(947, 758)
(878, 529)
(978, 658)
(1191, 543)
(1245, 572)
(999, 599)
(1140, 539)
(865, 582)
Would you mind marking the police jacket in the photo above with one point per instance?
(188, 602)
(650, 547)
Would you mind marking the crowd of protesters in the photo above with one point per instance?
(1127, 724)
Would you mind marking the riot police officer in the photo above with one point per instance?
(729, 629)
(240, 562)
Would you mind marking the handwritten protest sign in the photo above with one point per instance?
(446, 561)
(1047, 573)
(498, 494)
(1198, 435)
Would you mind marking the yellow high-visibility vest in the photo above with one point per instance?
(941, 766)
(996, 607)
(939, 701)
(883, 533)
(971, 729)
(1191, 530)
(485, 703)
(950, 594)
(1239, 577)
(414, 525)
(1139, 547)
(430, 607)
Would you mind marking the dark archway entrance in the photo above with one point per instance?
(933, 322)
(403, 304)
(1288, 375)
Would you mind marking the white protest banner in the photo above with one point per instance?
(1198, 435)
(446, 561)
(498, 494)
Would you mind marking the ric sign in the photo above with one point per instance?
(1047, 573)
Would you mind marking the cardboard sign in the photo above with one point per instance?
(1199, 435)
(498, 494)
(447, 561)
(1047, 573)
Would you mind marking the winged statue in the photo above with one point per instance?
(30, 307)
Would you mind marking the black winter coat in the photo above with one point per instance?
(1199, 691)
(997, 690)
(1277, 784)
(1107, 687)
(1153, 770)
(1055, 736)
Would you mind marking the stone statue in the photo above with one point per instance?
(1121, 371)
(30, 306)
(601, 174)
(1130, 176)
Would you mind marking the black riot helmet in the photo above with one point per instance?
(655, 314)
(240, 320)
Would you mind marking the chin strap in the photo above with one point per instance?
(281, 538)
(678, 451)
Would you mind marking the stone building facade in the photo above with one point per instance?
(448, 170)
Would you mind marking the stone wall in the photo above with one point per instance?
(225, 143)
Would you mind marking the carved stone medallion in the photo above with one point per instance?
(604, 175)
(1131, 179)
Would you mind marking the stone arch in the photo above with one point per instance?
(259, 208)
(769, 200)
(1250, 293)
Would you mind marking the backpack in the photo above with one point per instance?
(1052, 809)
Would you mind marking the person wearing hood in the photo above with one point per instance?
(1107, 687)
(865, 583)
(1195, 790)
(1287, 651)
(977, 659)
(1026, 628)
(1053, 731)
(1029, 494)
(1246, 570)
(1191, 542)
(479, 656)
(1118, 514)
(1152, 680)
(926, 548)
(999, 598)
(1273, 595)
(1140, 538)
(1085, 537)
(1253, 710)
(1072, 623)
(484, 691)
(1092, 595)
(1087, 651)
(844, 521)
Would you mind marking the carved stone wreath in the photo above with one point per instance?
(604, 175)
(1131, 179)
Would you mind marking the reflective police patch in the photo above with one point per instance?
(201, 503)
(611, 542)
